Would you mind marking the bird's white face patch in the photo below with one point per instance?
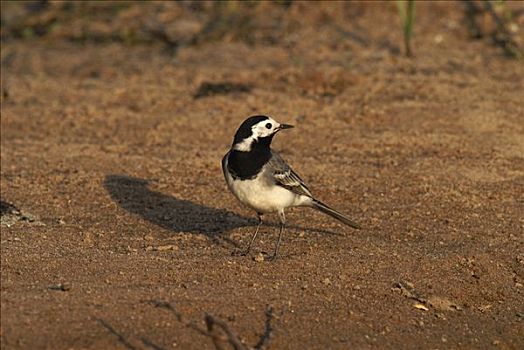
(262, 129)
(265, 128)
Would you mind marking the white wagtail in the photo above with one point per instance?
(262, 180)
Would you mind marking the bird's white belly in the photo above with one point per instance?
(261, 196)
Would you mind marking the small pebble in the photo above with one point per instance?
(259, 257)
(64, 287)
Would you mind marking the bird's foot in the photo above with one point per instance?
(272, 257)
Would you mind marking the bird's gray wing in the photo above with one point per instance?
(285, 176)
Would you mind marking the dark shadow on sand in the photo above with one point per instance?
(178, 215)
(166, 211)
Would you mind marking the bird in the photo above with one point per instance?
(262, 180)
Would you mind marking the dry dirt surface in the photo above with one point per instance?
(118, 230)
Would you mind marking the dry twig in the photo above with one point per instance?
(219, 331)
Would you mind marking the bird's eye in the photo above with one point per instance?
(268, 125)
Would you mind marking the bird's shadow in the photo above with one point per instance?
(178, 215)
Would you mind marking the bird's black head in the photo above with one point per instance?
(257, 128)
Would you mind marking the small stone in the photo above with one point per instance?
(28, 217)
(64, 287)
(259, 257)
(420, 306)
(442, 304)
(326, 281)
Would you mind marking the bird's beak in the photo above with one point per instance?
(285, 126)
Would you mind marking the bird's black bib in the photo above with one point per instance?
(247, 165)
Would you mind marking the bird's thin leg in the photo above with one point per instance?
(245, 252)
(282, 218)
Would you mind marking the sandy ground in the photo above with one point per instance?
(115, 166)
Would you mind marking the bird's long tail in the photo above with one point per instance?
(335, 214)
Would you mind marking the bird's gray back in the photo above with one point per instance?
(285, 176)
